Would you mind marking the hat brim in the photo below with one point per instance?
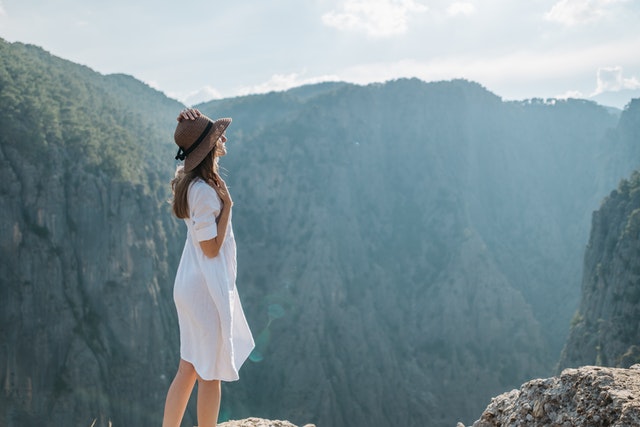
(198, 155)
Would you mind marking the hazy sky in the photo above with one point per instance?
(198, 50)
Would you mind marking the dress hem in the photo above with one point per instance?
(226, 380)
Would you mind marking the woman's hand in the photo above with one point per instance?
(223, 192)
(211, 248)
(188, 114)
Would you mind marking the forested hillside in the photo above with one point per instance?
(86, 316)
(406, 250)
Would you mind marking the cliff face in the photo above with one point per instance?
(86, 317)
(605, 330)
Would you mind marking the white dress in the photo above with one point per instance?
(214, 334)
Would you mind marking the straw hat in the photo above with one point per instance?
(196, 138)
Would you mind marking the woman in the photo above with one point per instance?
(215, 339)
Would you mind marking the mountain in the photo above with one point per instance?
(406, 250)
(86, 318)
(408, 234)
(604, 330)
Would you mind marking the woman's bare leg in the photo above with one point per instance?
(178, 395)
(209, 394)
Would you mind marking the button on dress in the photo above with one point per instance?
(214, 335)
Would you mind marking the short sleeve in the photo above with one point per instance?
(204, 207)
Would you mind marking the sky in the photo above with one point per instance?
(201, 50)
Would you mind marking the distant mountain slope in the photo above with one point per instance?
(400, 227)
(115, 122)
(605, 330)
(86, 317)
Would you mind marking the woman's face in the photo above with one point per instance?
(221, 148)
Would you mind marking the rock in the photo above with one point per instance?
(586, 396)
(259, 422)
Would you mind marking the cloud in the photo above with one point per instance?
(376, 18)
(280, 82)
(575, 94)
(491, 69)
(521, 74)
(575, 12)
(204, 94)
(461, 8)
(153, 84)
(2, 11)
(610, 79)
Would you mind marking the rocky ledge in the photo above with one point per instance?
(587, 396)
(259, 422)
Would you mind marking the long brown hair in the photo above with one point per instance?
(207, 170)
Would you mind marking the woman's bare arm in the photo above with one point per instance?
(211, 248)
